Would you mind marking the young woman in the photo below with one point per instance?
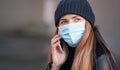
(77, 44)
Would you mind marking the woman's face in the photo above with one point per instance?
(69, 19)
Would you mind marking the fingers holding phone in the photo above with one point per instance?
(58, 54)
(55, 43)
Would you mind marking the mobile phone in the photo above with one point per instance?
(60, 47)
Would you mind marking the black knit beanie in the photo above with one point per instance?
(78, 7)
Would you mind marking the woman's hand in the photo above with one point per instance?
(59, 55)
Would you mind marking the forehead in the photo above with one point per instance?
(68, 16)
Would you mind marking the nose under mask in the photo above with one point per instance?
(72, 33)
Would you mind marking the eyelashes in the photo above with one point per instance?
(63, 22)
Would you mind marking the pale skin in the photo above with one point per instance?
(57, 57)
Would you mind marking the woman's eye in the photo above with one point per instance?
(64, 22)
(77, 20)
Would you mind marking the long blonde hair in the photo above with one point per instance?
(85, 55)
(83, 59)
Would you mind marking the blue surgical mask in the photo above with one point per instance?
(72, 33)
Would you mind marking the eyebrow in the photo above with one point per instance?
(74, 17)
(62, 19)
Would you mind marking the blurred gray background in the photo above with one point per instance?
(26, 27)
